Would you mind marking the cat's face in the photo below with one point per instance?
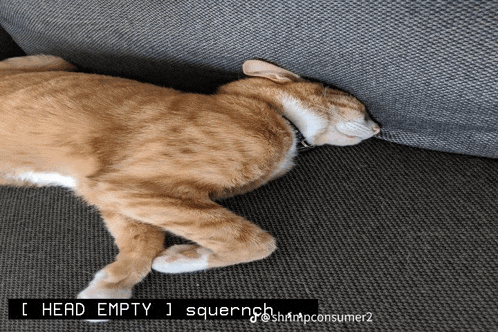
(325, 115)
(322, 114)
(347, 122)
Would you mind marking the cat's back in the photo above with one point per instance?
(67, 103)
(49, 119)
(82, 91)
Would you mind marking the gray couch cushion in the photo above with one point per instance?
(406, 234)
(426, 70)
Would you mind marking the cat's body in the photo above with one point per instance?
(153, 159)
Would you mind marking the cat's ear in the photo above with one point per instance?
(267, 70)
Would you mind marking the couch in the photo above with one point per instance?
(403, 226)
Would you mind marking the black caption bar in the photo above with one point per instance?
(206, 309)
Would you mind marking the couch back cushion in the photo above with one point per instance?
(426, 70)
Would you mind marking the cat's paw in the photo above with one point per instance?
(182, 258)
(101, 288)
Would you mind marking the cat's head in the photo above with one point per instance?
(322, 114)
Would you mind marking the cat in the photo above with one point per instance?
(154, 160)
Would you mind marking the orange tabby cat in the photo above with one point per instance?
(153, 159)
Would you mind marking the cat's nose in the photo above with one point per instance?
(375, 128)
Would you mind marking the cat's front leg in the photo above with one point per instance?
(138, 245)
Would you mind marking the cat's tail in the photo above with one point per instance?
(36, 63)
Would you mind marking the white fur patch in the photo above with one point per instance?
(307, 122)
(164, 264)
(48, 179)
(288, 162)
(96, 290)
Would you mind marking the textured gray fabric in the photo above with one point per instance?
(407, 234)
(427, 70)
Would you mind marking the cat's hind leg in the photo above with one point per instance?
(138, 245)
(222, 242)
(36, 63)
(222, 237)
